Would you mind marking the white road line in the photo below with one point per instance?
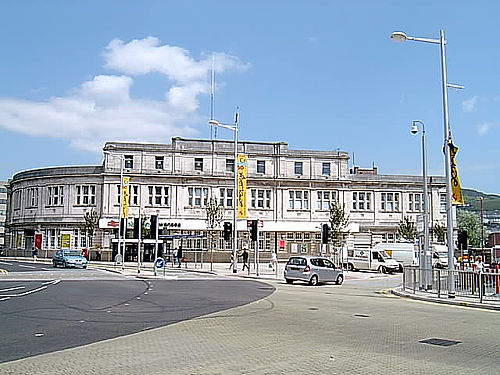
(14, 288)
(9, 264)
(25, 266)
(4, 299)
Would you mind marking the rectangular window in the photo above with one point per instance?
(326, 169)
(158, 195)
(415, 202)
(261, 166)
(85, 195)
(159, 162)
(229, 165)
(442, 202)
(197, 196)
(55, 196)
(260, 198)
(299, 200)
(325, 198)
(129, 161)
(389, 202)
(226, 197)
(298, 167)
(198, 164)
(361, 201)
(32, 197)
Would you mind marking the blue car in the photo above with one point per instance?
(69, 258)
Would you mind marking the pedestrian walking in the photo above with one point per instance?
(479, 264)
(174, 257)
(179, 257)
(274, 260)
(35, 254)
(244, 257)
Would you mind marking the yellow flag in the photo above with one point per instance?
(242, 186)
(456, 188)
(125, 197)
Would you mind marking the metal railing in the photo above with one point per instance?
(484, 286)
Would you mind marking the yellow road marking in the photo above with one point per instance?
(3, 272)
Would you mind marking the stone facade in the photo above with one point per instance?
(288, 191)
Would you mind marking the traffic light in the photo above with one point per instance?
(152, 227)
(254, 230)
(325, 233)
(462, 239)
(228, 227)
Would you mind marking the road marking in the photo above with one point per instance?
(3, 272)
(13, 288)
(9, 264)
(4, 299)
(25, 266)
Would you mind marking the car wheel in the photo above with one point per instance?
(84, 267)
(64, 264)
(350, 267)
(314, 280)
(381, 269)
(289, 281)
(54, 264)
(340, 280)
(400, 268)
(384, 270)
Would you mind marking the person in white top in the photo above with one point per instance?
(479, 264)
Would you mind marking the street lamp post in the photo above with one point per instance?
(401, 37)
(120, 209)
(424, 255)
(233, 128)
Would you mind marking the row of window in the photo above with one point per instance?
(198, 197)
(198, 165)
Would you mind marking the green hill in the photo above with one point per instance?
(491, 202)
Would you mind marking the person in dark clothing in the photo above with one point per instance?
(244, 257)
(179, 257)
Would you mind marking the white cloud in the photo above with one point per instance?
(485, 128)
(102, 109)
(469, 105)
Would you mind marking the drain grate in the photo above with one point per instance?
(313, 308)
(362, 315)
(440, 342)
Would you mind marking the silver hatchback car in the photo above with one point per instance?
(312, 269)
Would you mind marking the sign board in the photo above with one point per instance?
(66, 240)
(38, 241)
(242, 186)
(108, 224)
(118, 259)
(159, 263)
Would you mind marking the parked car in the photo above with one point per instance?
(313, 270)
(69, 258)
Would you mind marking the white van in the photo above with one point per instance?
(405, 253)
(370, 259)
(439, 256)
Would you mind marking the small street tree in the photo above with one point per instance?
(470, 222)
(440, 232)
(214, 217)
(339, 219)
(90, 224)
(407, 229)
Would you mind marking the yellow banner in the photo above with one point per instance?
(242, 186)
(125, 197)
(456, 187)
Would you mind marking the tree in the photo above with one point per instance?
(214, 217)
(88, 227)
(407, 229)
(439, 231)
(469, 221)
(339, 219)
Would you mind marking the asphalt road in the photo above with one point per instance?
(50, 311)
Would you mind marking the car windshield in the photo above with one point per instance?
(384, 254)
(442, 254)
(71, 252)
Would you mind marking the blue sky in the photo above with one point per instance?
(320, 75)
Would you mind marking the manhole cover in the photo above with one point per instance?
(362, 315)
(440, 342)
(313, 308)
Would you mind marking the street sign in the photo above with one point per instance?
(118, 259)
(159, 263)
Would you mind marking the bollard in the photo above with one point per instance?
(439, 282)
(497, 281)
(481, 286)
(414, 280)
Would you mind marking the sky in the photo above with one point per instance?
(319, 75)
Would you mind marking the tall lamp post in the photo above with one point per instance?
(402, 37)
(234, 128)
(424, 255)
(120, 229)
